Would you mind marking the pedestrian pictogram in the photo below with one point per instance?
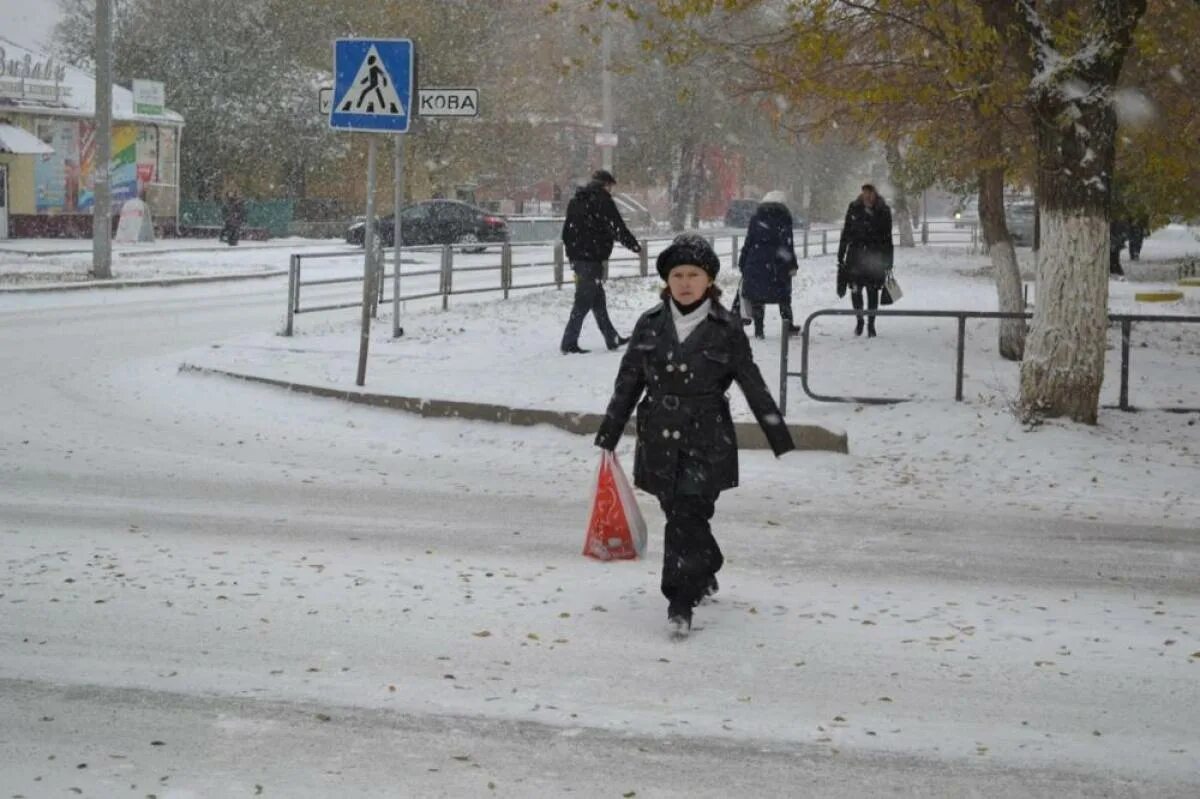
(372, 84)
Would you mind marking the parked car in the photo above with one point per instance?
(437, 222)
(1019, 216)
(740, 211)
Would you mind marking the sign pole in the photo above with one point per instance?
(398, 242)
(368, 272)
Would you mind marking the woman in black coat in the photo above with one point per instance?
(768, 261)
(683, 355)
(865, 253)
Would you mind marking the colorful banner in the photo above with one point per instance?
(123, 166)
(64, 180)
(56, 175)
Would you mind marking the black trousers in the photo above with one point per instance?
(691, 556)
(589, 298)
(230, 233)
(758, 312)
(856, 299)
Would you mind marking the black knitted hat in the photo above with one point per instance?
(688, 248)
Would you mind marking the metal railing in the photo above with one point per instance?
(508, 270)
(1125, 320)
(808, 243)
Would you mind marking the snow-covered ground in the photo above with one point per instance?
(216, 589)
(506, 352)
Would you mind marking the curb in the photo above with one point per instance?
(807, 436)
(138, 284)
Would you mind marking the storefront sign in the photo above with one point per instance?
(25, 78)
(29, 69)
(149, 97)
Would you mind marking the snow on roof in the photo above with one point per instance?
(79, 99)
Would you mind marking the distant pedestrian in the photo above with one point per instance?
(684, 354)
(768, 262)
(1139, 229)
(865, 254)
(1118, 233)
(233, 209)
(593, 223)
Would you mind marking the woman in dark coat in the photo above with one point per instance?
(768, 261)
(683, 355)
(865, 253)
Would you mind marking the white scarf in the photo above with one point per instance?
(685, 324)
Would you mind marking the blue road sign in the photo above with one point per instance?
(372, 85)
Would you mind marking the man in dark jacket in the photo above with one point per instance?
(234, 212)
(593, 223)
(865, 253)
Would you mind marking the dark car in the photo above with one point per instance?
(438, 222)
(739, 212)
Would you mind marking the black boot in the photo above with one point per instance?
(858, 327)
(679, 622)
(871, 328)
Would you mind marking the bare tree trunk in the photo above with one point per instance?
(677, 190)
(900, 201)
(684, 183)
(1076, 146)
(1004, 261)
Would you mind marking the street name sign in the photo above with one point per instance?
(448, 102)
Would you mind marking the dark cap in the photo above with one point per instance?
(605, 177)
(688, 248)
(870, 187)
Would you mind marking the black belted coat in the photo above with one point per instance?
(685, 412)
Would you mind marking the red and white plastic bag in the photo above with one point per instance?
(616, 529)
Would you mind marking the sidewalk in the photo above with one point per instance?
(65, 264)
(931, 452)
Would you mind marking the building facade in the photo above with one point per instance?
(48, 149)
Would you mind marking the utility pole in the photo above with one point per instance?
(606, 150)
(102, 187)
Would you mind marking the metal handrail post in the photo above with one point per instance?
(925, 232)
(1126, 334)
(447, 275)
(558, 264)
(376, 276)
(397, 331)
(784, 346)
(644, 258)
(733, 251)
(506, 268)
(960, 357)
(804, 238)
(299, 281)
(824, 242)
(291, 309)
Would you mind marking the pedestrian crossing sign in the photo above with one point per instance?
(372, 85)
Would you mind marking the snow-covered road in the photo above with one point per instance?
(211, 589)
